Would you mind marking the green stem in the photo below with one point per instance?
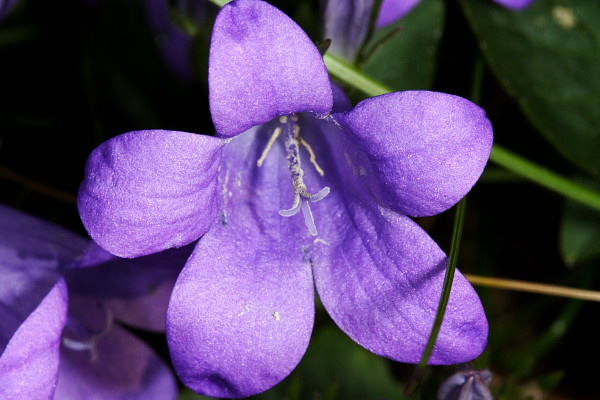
(352, 76)
(421, 370)
(459, 218)
(544, 177)
(500, 156)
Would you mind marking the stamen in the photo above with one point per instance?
(313, 157)
(267, 149)
(301, 196)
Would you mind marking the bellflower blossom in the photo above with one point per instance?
(298, 190)
(59, 298)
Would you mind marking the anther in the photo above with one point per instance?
(313, 157)
(267, 149)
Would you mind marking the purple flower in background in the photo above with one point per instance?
(60, 298)
(6, 7)
(515, 4)
(242, 311)
(468, 384)
(347, 22)
(173, 41)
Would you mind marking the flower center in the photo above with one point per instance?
(87, 339)
(292, 142)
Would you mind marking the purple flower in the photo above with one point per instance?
(515, 4)
(468, 384)
(6, 7)
(241, 313)
(174, 43)
(59, 343)
(347, 22)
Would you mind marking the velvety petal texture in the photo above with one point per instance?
(115, 366)
(378, 274)
(29, 364)
(242, 310)
(515, 4)
(147, 191)
(425, 150)
(393, 10)
(346, 24)
(136, 290)
(262, 65)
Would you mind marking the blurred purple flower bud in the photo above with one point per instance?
(174, 29)
(515, 4)
(467, 385)
(347, 22)
(6, 7)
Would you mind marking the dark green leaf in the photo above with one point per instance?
(402, 55)
(547, 57)
(580, 232)
(334, 364)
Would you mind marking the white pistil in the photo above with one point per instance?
(292, 144)
(301, 196)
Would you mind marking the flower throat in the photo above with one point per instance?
(292, 142)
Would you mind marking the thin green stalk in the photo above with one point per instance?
(346, 73)
(373, 19)
(477, 82)
(500, 156)
(421, 369)
(459, 218)
(545, 177)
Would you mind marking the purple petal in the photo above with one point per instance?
(242, 310)
(262, 65)
(346, 24)
(515, 4)
(118, 366)
(136, 290)
(31, 252)
(392, 10)
(148, 191)
(29, 365)
(378, 274)
(425, 150)
(341, 102)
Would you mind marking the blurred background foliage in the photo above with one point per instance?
(75, 73)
